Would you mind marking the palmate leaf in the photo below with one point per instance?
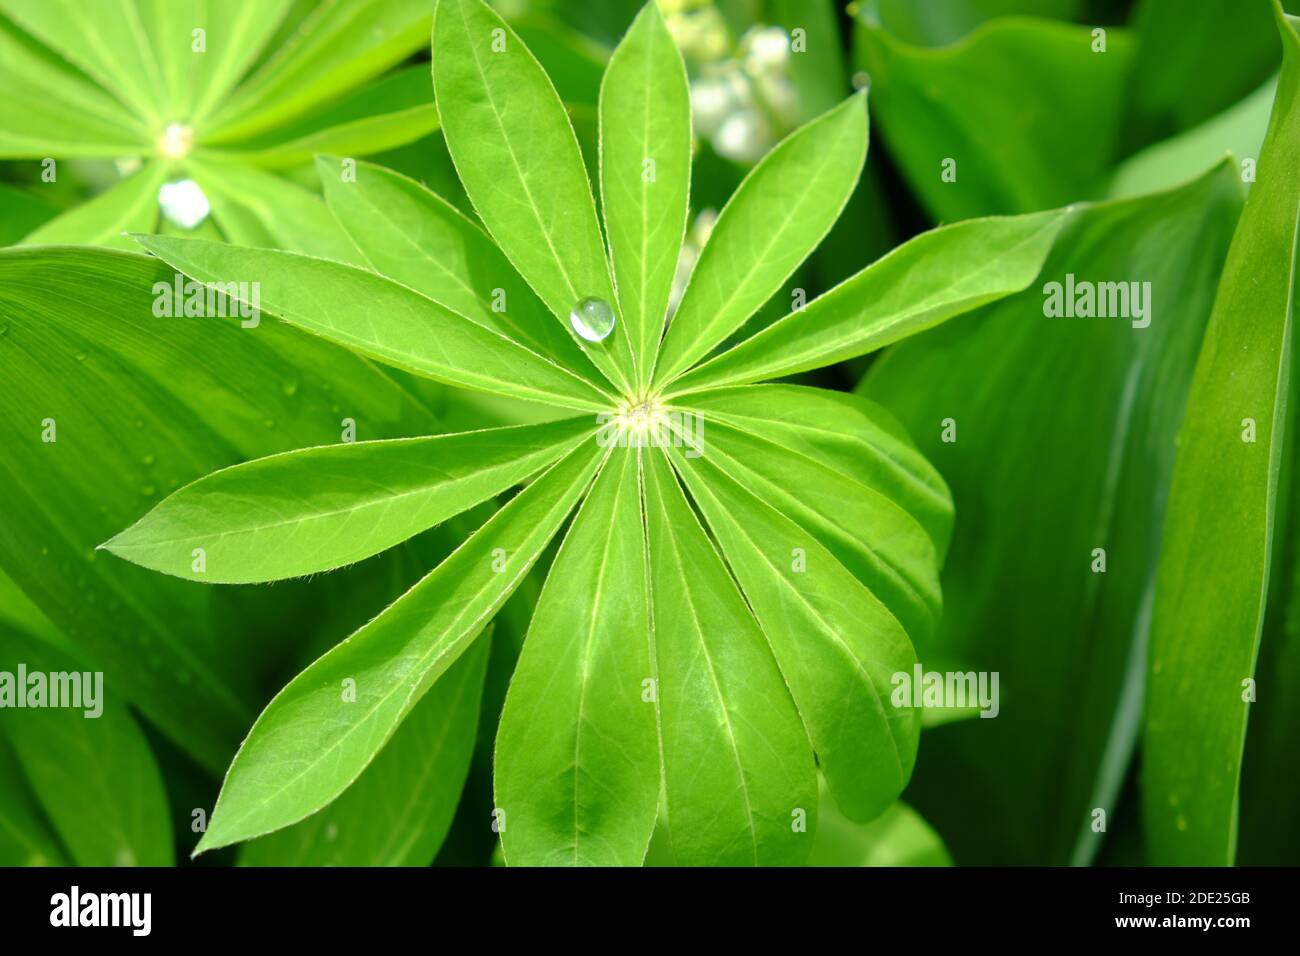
(1223, 511)
(118, 79)
(816, 591)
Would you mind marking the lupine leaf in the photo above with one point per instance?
(782, 210)
(516, 154)
(645, 173)
(736, 761)
(129, 206)
(317, 509)
(926, 281)
(577, 755)
(310, 744)
(380, 318)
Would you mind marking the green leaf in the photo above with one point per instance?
(419, 239)
(782, 210)
(310, 744)
(577, 754)
(235, 32)
(884, 546)
(837, 645)
(847, 433)
(51, 111)
(1215, 560)
(388, 113)
(380, 318)
(1056, 435)
(518, 159)
(115, 49)
(141, 405)
(1238, 131)
(89, 765)
(737, 766)
(1057, 143)
(338, 46)
(128, 206)
(26, 838)
(400, 808)
(258, 209)
(645, 175)
(926, 281)
(898, 837)
(318, 509)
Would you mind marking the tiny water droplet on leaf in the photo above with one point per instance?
(593, 319)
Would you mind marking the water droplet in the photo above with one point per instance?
(269, 423)
(593, 319)
(147, 460)
(148, 491)
(290, 388)
(183, 203)
(81, 356)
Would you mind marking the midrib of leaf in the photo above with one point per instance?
(757, 265)
(532, 205)
(145, 49)
(720, 700)
(423, 664)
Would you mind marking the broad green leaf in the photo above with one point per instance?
(1215, 560)
(26, 838)
(941, 22)
(898, 837)
(837, 645)
(518, 159)
(736, 761)
(1195, 60)
(339, 44)
(261, 210)
(114, 49)
(866, 531)
(310, 743)
(645, 176)
(380, 318)
(926, 281)
(388, 113)
(50, 111)
(1056, 435)
(577, 753)
(848, 434)
(89, 765)
(782, 210)
(138, 406)
(317, 509)
(400, 808)
(1021, 115)
(128, 206)
(1238, 131)
(416, 237)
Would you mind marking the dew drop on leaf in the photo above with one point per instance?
(593, 319)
